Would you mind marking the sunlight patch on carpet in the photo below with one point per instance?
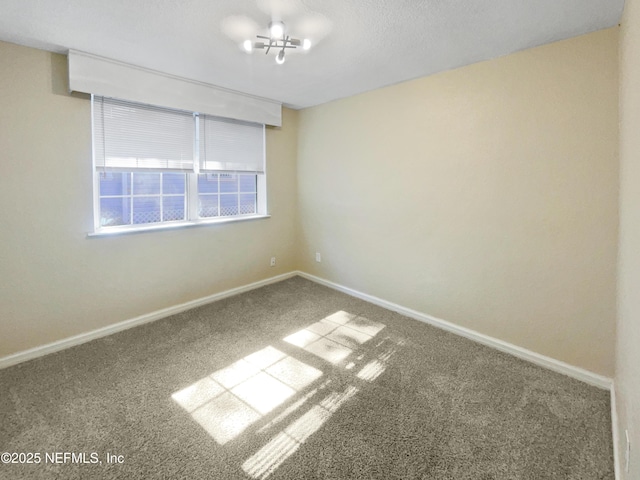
(335, 337)
(233, 398)
(285, 443)
(271, 383)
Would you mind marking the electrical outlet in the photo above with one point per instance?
(318, 257)
(273, 261)
(627, 456)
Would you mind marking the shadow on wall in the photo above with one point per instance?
(275, 394)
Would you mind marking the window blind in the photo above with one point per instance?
(134, 136)
(230, 145)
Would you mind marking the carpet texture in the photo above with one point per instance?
(297, 381)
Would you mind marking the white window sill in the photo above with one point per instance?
(111, 231)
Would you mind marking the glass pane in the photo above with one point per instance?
(208, 183)
(208, 206)
(114, 183)
(173, 183)
(248, 183)
(146, 184)
(247, 203)
(228, 205)
(228, 182)
(172, 208)
(154, 197)
(114, 211)
(146, 209)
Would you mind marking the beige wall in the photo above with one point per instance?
(55, 281)
(485, 196)
(627, 379)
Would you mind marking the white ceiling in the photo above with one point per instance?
(358, 45)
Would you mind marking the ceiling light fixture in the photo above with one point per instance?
(277, 40)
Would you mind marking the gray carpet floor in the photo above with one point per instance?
(297, 381)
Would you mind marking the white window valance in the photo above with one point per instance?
(109, 78)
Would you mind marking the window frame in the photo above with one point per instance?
(192, 217)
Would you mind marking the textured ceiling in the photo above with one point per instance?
(358, 45)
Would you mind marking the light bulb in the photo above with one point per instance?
(276, 29)
(280, 57)
(306, 44)
(248, 46)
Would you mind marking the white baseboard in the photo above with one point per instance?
(542, 360)
(615, 432)
(533, 357)
(572, 371)
(36, 352)
(536, 358)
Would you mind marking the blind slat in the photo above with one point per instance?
(230, 145)
(134, 136)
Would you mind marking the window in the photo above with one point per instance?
(157, 166)
(226, 194)
(134, 198)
